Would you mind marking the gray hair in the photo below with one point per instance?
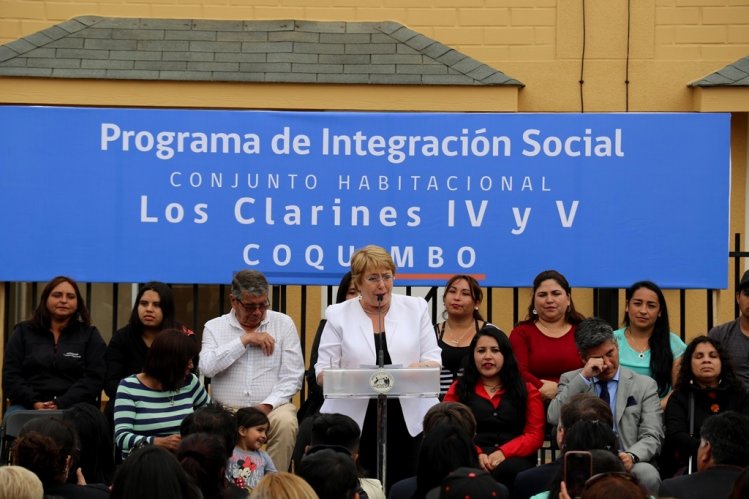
(591, 333)
(251, 282)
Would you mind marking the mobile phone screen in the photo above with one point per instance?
(577, 470)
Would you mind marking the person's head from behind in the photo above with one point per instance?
(152, 472)
(724, 440)
(203, 457)
(346, 289)
(336, 431)
(462, 297)
(215, 420)
(444, 448)
(333, 475)
(589, 435)
(582, 407)
(94, 434)
(252, 428)
(451, 413)
(601, 461)
(594, 338)
(154, 308)
(283, 485)
(17, 482)
(612, 484)
(472, 483)
(61, 300)
(169, 360)
(48, 447)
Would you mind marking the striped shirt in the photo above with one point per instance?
(142, 413)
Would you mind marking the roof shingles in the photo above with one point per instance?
(735, 74)
(249, 51)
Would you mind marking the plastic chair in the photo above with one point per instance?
(11, 427)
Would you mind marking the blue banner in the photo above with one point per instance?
(190, 196)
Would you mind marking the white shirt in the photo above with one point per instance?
(244, 376)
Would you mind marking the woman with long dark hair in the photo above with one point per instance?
(646, 343)
(55, 359)
(153, 312)
(706, 385)
(544, 343)
(462, 299)
(509, 411)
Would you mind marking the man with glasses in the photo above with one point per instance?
(254, 358)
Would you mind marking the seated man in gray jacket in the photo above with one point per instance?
(633, 398)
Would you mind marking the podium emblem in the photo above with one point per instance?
(381, 381)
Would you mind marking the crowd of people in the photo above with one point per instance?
(645, 413)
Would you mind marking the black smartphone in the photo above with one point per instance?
(578, 467)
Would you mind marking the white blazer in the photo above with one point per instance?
(348, 342)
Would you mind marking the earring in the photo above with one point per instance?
(534, 312)
(475, 308)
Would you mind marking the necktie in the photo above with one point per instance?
(603, 385)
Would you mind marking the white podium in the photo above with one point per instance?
(382, 383)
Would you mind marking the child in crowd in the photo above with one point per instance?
(248, 463)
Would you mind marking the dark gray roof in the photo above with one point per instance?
(248, 51)
(735, 74)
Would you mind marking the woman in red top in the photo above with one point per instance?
(509, 412)
(544, 343)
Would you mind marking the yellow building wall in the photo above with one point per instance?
(658, 47)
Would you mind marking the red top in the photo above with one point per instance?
(532, 437)
(540, 357)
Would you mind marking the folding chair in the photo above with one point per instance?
(11, 427)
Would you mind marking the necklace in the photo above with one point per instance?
(640, 353)
(491, 388)
(456, 342)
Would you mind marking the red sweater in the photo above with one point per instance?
(540, 357)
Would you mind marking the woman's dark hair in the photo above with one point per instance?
(661, 357)
(477, 294)
(166, 303)
(213, 419)
(43, 447)
(247, 417)
(41, 319)
(727, 374)
(343, 286)
(95, 436)
(445, 448)
(152, 472)
(586, 435)
(572, 316)
(453, 413)
(202, 456)
(509, 375)
(168, 357)
(603, 461)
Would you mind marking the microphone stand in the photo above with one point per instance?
(381, 404)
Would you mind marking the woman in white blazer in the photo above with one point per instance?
(351, 339)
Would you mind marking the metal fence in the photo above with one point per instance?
(110, 304)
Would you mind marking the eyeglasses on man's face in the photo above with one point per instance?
(252, 307)
(377, 278)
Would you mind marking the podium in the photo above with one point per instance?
(382, 383)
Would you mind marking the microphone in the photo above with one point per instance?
(380, 349)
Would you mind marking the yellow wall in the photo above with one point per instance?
(539, 42)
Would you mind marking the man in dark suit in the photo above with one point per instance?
(633, 398)
(580, 407)
(721, 457)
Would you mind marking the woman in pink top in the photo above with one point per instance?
(544, 343)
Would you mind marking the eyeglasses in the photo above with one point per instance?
(253, 307)
(377, 278)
